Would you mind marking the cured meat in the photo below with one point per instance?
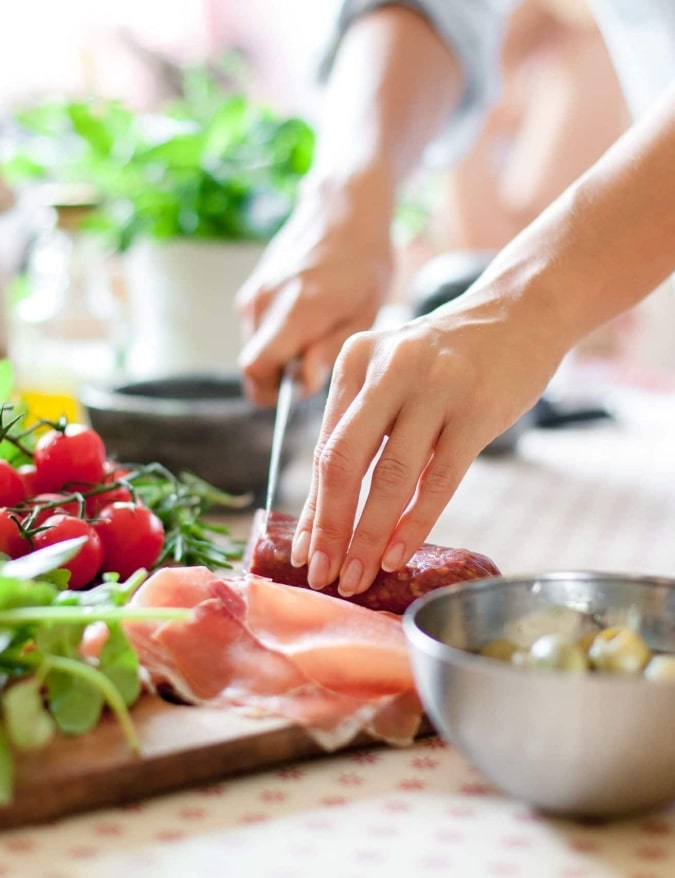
(269, 554)
(267, 649)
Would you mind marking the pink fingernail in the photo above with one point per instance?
(317, 574)
(393, 557)
(351, 578)
(300, 548)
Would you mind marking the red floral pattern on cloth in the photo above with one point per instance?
(365, 814)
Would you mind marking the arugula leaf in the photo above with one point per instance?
(98, 682)
(119, 662)
(19, 593)
(28, 722)
(74, 702)
(59, 639)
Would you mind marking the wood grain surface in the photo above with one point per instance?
(181, 746)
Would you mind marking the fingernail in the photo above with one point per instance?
(393, 557)
(351, 578)
(317, 575)
(300, 548)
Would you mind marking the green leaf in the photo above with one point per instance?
(60, 639)
(110, 593)
(119, 662)
(6, 768)
(19, 593)
(74, 702)
(180, 151)
(28, 723)
(90, 127)
(6, 380)
(41, 561)
(99, 683)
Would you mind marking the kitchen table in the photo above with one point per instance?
(600, 496)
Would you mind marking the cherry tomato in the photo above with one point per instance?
(112, 473)
(11, 541)
(87, 563)
(42, 506)
(12, 490)
(72, 459)
(27, 473)
(132, 537)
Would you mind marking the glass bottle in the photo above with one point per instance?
(67, 329)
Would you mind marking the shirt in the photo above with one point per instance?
(640, 37)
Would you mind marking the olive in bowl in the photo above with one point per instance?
(566, 739)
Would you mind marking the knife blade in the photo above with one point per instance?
(288, 389)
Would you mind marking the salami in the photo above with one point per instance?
(269, 554)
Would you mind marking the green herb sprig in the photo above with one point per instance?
(181, 502)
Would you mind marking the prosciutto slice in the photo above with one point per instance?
(268, 649)
(269, 554)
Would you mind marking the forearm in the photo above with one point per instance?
(602, 246)
(393, 84)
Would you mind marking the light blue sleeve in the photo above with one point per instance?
(473, 29)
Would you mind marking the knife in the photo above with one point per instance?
(288, 389)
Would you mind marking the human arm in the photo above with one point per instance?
(439, 389)
(393, 85)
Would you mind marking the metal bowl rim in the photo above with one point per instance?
(453, 655)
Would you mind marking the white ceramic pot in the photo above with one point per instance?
(181, 305)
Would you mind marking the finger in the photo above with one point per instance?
(318, 358)
(437, 484)
(251, 302)
(276, 341)
(393, 482)
(345, 387)
(285, 336)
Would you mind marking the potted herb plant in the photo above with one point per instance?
(190, 196)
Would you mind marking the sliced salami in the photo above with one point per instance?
(269, 554)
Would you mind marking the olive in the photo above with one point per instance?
(556, 652)
(501, 649)
(661, 668)
(619, 650)
(586, 640)
(554, 617)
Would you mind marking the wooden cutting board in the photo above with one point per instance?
(181, 746)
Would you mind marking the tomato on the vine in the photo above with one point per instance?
(12, 490)
(27, 473)
(12, 543)
(40, 507)
(87, 563)
(113, 472)
(132, 537)
(73, 458)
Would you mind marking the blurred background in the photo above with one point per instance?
(134, 133)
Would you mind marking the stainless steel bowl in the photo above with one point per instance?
(594, 744)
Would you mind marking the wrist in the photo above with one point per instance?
(362, 199)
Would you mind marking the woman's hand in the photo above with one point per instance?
(426, 398)
(323, 278)
(431, 395)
